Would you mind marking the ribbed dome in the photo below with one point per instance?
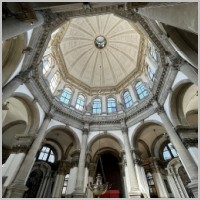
(83, 57)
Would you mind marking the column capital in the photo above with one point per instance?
(24, 76)
(122, 168)
(23, 143)
(176, 61)
(92, 168)
(20, 148)
(75, 158)
(190, 142)
(85, 130)
(64, 167)
(137, 161)
(124, 130)
(160, 109)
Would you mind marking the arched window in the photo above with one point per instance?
(153, 52)
(46, 65)
(169, 152)
(127, 99)
(111, 105)
(151, 73)
(80, 102)
(96, 106)
(64, 190)
(46, 154)
(141, 90)
(54, 82)
(66, 95)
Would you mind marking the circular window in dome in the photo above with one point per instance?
(100, 42)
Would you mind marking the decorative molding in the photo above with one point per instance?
(64, 167)
(190, 142)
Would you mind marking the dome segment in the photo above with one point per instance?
(103, 40)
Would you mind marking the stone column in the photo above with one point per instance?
(10, 88)
(122, 172)
(158, 179)
(12, 27)
(173, 14)
(172, 183)
(92, 168)
(192, 145)
(63, 169)
(183, 153)
(142, 181)
(134, 188)
(73, 173)
(16, 158)
(18, 187)
(79, 190)
(179, 188)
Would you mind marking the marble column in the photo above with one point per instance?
(12, 27)
(142, 181)
(19, 150)
(122, 172)
(174, 14)
(92, 168)
(179, 188)
(10, 88)
(79, 189)
(158, 179)
(63, 169)
(134, 188)
(17, 188)
(73, 173)
(183, 153)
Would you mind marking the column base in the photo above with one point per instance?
(193, 186)
(78, 194)
(16, 191)
(134, 194)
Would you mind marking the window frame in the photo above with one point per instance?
(50, 152)
(108, 107)
(53, 87)
(168, 149)
(143, 89)
(44, 70)
(78, 104)
(150, 73)
(124, 99)
(96, 113)
(66, 89)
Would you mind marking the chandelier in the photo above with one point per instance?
(99, 188)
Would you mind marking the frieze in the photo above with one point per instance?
(20, 148)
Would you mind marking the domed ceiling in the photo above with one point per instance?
(104, 40)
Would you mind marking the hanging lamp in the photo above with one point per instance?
(99, 188)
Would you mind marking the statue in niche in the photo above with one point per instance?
(120, 106)
(88, 108)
